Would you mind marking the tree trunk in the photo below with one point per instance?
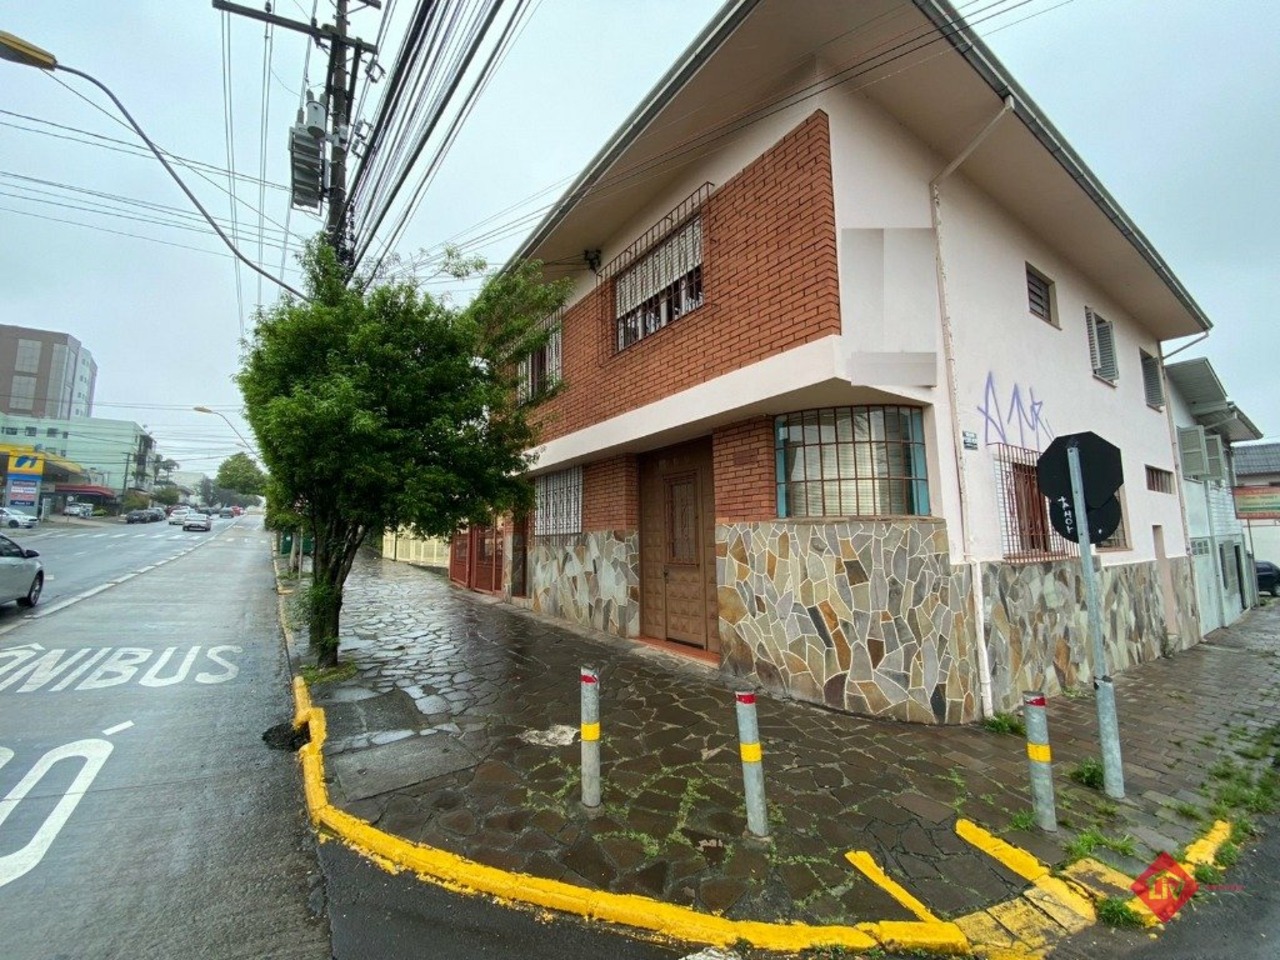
(333, 551)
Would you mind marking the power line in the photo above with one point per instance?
(228, 120)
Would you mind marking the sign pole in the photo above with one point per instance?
(1104, 692)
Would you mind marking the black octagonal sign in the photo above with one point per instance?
(1100, 468)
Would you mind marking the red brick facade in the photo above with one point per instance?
(743, 464)
(611, 494)
(770, 283)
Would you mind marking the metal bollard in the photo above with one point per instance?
(752, 768)
(1040, 760)
(590, 738)
(1109, 734)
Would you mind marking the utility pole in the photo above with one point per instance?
(341, 127)
(339, 96)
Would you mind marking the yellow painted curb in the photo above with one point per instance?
(866, 864)
(680, 923)
(1205, 850)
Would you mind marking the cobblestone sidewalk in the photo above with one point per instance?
(459, 731)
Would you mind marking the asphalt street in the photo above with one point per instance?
(141, 815)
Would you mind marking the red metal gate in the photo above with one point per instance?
(475, 559)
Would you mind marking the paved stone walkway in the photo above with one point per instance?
(459, 731)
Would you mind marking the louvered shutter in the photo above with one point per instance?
(1102, 346)
(1038, 295)
(1192, 452)
(522, 384)
(1152, 382)
(1091, 322)
(1215, 462)
(553, 357)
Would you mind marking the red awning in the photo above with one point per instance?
(85, 490)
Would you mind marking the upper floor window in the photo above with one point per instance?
(1040, 296)
(1102, 347)
(1152, 381)
(1161, 481)
(28, 356)
(852, 462)
(662, 287)
(22, 395)
(542, 369)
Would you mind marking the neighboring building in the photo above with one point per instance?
(1208, 425)
(117, 455)
(832, 296)
(1258, 465)
(45, 374)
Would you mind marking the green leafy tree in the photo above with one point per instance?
(165, 495)
(240, 474)
(133, 500)
(377, 407)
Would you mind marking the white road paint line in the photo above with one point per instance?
(117, 728)
(145, 569)
(63, 604)
(123, 578)
(80, 553)
(117, 536)
(24, 859)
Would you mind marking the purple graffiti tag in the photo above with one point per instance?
(1022, 420)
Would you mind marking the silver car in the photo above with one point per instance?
(13, 517)
(197, 521)
(21, 574)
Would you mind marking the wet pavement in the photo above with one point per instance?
(460, 731)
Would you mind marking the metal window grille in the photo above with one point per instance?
(1102, 346)
(543, 368)
(1120, 539)
(659, 277)
(558, 503)
(1160, 481)
(1025, 532)
(1152, 381)
(852, 462)
(1038, 300)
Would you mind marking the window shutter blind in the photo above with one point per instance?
(553, 358)
(1038, 295)
(1152, 382)
(1105, 333)
(1192, 452)
(1091, 322)
(1215, 462)
(522, 386)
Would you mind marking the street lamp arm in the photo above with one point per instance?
(177, 179)
(204, 409)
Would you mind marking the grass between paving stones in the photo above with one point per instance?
(1005, 723)
(1088, 773)
(1207, 873)
(1022, 820)
(1115, 912)
(1188, 811)
(1090, 839)
(319, 676)
(1233, 788)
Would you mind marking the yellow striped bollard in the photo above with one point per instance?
(752, 767)
(590, 738)
(1040, 760)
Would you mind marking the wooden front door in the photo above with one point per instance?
(677, 546)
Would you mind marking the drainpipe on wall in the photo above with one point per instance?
(957, 439)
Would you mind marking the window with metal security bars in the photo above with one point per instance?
(658, 279)
(558, 502)
(1152, 380)
(1161, 481)
(1102, 347)
(1025, 532)
(1040, 296)
(852, 462)
(542, 370)
(662, 287)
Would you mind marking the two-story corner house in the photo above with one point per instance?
(1208, 427)
(837, 282)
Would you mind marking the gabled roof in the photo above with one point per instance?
(921, 62)
(1198, 384)
(1257, 458)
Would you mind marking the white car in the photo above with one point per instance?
(21, 574)
(13, 517)
(178, 515)
(197, 521)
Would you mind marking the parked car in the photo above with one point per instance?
(177, 515)
(136, 516)
(21, 574)
(77, 510)
(11, 517)
(226, 513)
(1268, 577)
(197, 521)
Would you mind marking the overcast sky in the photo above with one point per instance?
(1175, 105)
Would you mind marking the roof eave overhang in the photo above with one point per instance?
(720, 27)
(970, 46)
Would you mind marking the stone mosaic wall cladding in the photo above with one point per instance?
(1037, 625)
(863, 616)
(591, 579)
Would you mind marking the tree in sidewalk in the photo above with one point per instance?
(166, 496)
(240, 474)
(380, 407)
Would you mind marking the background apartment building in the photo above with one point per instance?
(45, 374)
